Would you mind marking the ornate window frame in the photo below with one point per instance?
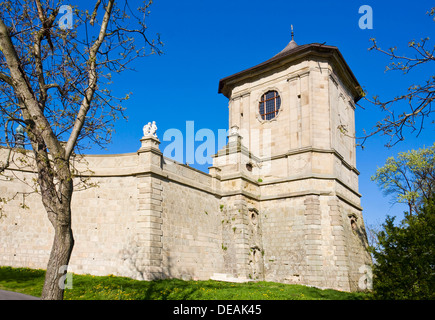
(258, 100)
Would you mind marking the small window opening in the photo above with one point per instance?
(270, 103)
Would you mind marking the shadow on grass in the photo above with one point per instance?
(87, 287)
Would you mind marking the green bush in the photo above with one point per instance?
(405, 257)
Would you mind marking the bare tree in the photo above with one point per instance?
(411, 110)
(55, 81)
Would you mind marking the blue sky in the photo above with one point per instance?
(208, 40)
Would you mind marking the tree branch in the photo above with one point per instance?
(44, 32)
(94, 13)
(92, 82)
(6, 78)
(24, 92)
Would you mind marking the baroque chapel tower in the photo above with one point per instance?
(280, 203)
(288, 172)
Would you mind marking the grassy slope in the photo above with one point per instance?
(86, 287)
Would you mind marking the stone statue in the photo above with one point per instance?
(153, 129)
(150, 129)
(234, 130)
(146, 129)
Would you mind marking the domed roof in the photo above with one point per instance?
(291, 45)
(291, 53)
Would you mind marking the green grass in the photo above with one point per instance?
(87, 287)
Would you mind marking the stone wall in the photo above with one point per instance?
(137, 221)
(25, 232)
(148, 217)
(280, 202)
(192, 234)
(103, 222)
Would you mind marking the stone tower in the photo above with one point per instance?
(288, 173)
(280, 202)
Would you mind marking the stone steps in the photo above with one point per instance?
(228, 278)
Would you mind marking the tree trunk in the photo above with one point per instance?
(57, 203)
(59, 258)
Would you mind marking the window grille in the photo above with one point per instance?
(269, 105)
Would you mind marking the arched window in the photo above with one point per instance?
(269, 105)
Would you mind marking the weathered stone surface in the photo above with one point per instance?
(285, 217)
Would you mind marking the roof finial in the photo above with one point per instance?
(291, 45)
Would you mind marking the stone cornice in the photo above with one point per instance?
(299, 53)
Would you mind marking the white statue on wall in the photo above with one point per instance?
(153, 129)
(234, 130)
(146, 129)
(150, 129)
